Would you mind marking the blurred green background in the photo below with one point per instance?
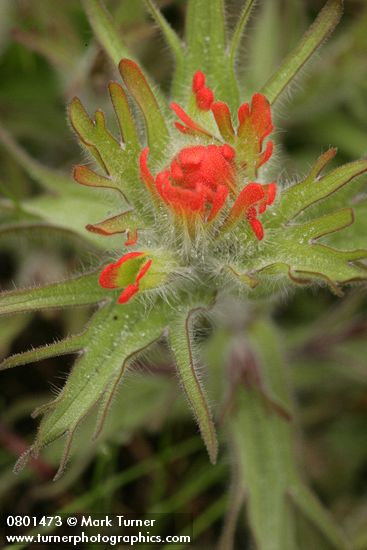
(149, 457)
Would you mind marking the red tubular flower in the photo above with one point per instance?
(203, 95)
(189, 126)
(126, 272)
(251, 201)
(198, 180)
(223, 120)
(255, 124)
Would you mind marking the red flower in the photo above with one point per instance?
(255, 124)
(203, 95)
(201, 177)
(197, 181)
(126, 272)
(251, 201)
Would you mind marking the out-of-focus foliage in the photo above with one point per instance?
(46, 60)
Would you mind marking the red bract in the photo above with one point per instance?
(254, 126)
(126, 272)
(197, 181)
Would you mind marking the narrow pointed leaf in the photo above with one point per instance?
(174, 43)
(312, 508)
(324, 24)
(119, 160)
(86, 176)
(98, 139)
(319, 227)
(67, 205)
(157, 132)
(48, 178)
(239, 29)
(113, 337)
(252, 282)
(106, 32)
(266, 458)
(264, 445)
(69, 345)
(126, 222)
(300, 196)
(302, 262)
(106, 401)
(207, 48)
(124, 117)
(181, 346)
(70, 212)
(81, 290)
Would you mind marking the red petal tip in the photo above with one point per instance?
(204, 99)
(198, 81)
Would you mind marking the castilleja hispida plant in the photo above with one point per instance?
(203, 238)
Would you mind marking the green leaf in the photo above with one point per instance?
(49, 179)
(85, 176)
(71, 213)
(239, 29)
(81, 290)
(157, 132)
(180, 341)
(312, 508)
(104, 29)
(68, 345)
(356, 233)
(100, 142)
(232, 271)
(68, 206)
(290, 248)
(264, 442)
(125, 117)
(324, 24)
(264, 43)
(314, 229)
(126, 222)
(175, 45)
(304, 263)
(111, 341)
(300, 196)
(207, 48)
(120, 163)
